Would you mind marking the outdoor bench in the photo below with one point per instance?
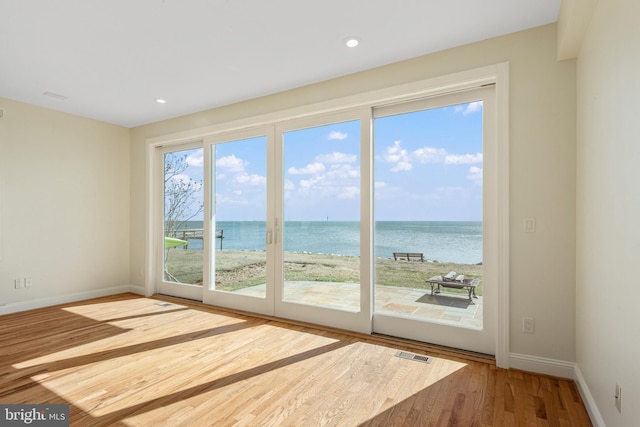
(409, 256)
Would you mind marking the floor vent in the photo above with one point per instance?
(412, 356)
(164, 304)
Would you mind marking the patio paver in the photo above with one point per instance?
(419, 304)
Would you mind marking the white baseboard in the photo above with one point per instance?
(587, 399)
(138, 290)
(542, 365)
(64, 299)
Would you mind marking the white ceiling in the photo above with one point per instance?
(113, 58)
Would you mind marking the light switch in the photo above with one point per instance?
(529, 225)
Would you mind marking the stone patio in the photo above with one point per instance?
(419, 304)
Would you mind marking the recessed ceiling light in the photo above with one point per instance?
(161, 101)
(352, 41)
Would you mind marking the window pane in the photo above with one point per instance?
(239, 207)
(322, 216)
(183, 216)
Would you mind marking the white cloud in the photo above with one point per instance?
(350, 192)
(402, 160)
(310, 169)
(342, 172)
(429, 154)
(338, 181)
(337, 157)
(232, 163)
(463, 159)
(475, 175)
(399, 157)
(402, 166)
(308, 183)
(253, 179)
(472, 107)
(338, 135)
(186, 180)
(235, 185)
(195, 159)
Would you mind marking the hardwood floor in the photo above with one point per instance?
(127, 361)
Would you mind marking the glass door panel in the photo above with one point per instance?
(239, 207)
(182, 260)
(428, 214)
(321, 208)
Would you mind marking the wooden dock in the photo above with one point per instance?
(194, 234)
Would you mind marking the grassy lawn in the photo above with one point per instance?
(240, 269)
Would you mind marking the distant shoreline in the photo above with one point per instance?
(442, 241)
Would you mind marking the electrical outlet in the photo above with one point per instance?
(618, 398)
(28, 282)
(527, 325)
(18, 284)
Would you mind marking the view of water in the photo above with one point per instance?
(452, 241)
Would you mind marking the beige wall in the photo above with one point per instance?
(542, 121)
(64, 203)
(608, 208)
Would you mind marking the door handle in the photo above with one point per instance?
(277, 224)
(269, 237)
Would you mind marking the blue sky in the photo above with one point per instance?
(428, 167)
(322, 173)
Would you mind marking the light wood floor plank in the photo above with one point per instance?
(124, 360)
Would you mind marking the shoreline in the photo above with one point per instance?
(242, 268)
(435, 261)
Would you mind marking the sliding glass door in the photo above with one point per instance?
(237, 213)
(319, 261)
(285, 220)
(431, 284)
(377, 219)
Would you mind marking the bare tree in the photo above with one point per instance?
(181, 194)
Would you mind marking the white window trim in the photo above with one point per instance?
(497, 74)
